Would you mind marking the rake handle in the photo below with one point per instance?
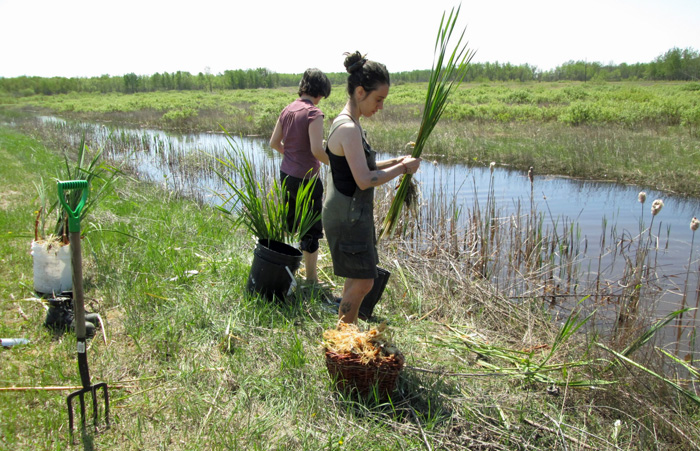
(79, 307)
(74, 214)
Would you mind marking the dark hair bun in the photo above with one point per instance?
(363, 72)
(354, 61)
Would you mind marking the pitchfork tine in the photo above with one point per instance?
(95, 412)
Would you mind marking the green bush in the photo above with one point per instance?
(691, 117)
(694, 86)
(578, 113)
(519, 96)
(574, 93)
(180, 117)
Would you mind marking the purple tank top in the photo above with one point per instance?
(295, 120)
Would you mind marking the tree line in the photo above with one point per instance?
(675, 64)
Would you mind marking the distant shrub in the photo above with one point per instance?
(463, 112)
(578, 113)
(691, 117)
(574, 93)
(265, 119)
(25, 92)
(179, 117)
(694, 86)
(519, 96)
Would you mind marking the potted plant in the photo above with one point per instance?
(259, 205)
(50, 248)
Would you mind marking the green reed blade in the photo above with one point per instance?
(449, 69)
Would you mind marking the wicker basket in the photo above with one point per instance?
(351, 375)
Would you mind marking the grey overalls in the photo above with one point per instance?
(348, 221)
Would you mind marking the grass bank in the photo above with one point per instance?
(194, 363)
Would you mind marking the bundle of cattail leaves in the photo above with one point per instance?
(449, 69)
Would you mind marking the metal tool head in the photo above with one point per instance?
(92, 390)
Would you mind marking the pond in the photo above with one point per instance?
(603, 224)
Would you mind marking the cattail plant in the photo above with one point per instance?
(530, 246)
(89, 166)
(694, 224)
(447, 74)
(641, 197)
(636, 269)
(656, 207)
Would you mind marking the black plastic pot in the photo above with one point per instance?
(272, 272)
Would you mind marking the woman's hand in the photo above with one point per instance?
(410, 164)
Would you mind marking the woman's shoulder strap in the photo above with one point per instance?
(339, 120)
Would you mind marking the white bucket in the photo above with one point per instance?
(53, 272)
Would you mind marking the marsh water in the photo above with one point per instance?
(598, 215)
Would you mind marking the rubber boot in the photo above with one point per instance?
(93, 318)
(59, 317)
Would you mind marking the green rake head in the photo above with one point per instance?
(73, 214)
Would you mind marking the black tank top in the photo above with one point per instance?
(340, 169)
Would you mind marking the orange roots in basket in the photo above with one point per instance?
(359, 361)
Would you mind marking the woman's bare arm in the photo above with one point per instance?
(276, 138)
(349, 142)
(316, 140)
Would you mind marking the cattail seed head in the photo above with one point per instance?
(656, 207)
(694, 224)
(642, 197)
(531, 174)
(492, 165)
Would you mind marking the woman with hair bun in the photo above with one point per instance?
(298, 136)
(348, 211)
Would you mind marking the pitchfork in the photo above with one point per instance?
(74, 214)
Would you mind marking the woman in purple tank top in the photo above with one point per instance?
(298, 136)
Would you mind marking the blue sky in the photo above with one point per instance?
(87, 38)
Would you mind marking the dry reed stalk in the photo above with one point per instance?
(55, 388)
(457, 295)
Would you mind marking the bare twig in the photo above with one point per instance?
(22, 314)
(420, 428)
(427, 314)
(550, 430)
(54, 388)
(452, 374)
(213, 403)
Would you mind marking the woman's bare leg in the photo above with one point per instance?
(310, 265)
(354, 291)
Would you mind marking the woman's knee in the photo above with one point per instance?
(364, 286)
